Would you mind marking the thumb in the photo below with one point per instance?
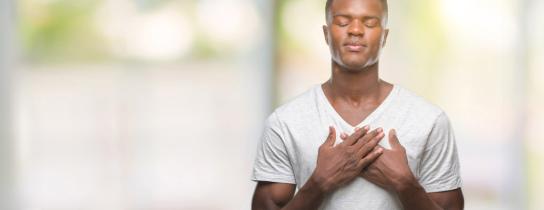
(331, 138)
(393, 139)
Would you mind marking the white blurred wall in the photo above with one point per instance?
(7, 144)
(149, 131)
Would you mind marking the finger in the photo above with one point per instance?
(367, 160)
(393, 140)
(374, 175)
(364, 139)
(359, 133)
(343, 136)
(331, 138)
(364, 131)
(350, 140)
(370, 169)
(370, 145)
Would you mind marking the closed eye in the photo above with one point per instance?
(341, 21)
(372, 22)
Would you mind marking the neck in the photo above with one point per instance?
(354, 85)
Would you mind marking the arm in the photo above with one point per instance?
(336, 166)
(270, 195)
(413, 196)
(273, 196)
(452, 199)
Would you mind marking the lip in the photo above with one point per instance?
(354, 47)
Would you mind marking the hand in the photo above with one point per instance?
(340, 164)
(390, 171)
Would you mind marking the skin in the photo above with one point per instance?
(356, 33)
(336, 166)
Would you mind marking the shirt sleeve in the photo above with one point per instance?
(439, 166)
(272, 162)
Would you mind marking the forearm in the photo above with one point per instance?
(309, 197)
(413, 196)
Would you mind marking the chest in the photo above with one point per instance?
(354, 114)
(304, 146)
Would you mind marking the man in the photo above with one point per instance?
(327, 142)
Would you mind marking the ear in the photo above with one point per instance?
(385, 37)
(326, 33)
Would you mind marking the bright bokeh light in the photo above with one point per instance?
(159, 34)
(485, 24)
(305, 29)
(164, 34)
(234, 24)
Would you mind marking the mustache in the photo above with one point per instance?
(354, 40)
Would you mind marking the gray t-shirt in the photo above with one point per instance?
(294, 132)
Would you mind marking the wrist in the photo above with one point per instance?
(319, 183)
(406, 183)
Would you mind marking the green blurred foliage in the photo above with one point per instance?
(65, 31)
(60, 31)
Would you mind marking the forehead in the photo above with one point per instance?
(357, 8)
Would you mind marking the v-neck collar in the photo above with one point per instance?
(369, 119)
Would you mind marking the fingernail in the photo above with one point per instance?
(366, 127)
(357, 128)
(380, 130)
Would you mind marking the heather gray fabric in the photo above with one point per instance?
(294, 132)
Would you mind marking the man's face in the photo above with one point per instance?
(355, 32)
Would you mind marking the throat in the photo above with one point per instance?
(354, 115)
(355, 108)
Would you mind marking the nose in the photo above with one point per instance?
(356, 28)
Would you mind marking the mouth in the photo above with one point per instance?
(354, 47)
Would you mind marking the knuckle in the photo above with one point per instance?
(369, 146)
(362, 133)
(366, 138)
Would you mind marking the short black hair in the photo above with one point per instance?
(329, 4)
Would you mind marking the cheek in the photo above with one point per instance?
(336, 39)
(375, 40)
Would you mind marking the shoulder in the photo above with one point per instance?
(299, 107)
(418, 106)
(416, 114)
(421, 122)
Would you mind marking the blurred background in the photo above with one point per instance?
(159, 104)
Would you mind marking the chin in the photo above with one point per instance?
(358, 64)
(355, 66)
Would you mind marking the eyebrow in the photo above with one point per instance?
(350, 16)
